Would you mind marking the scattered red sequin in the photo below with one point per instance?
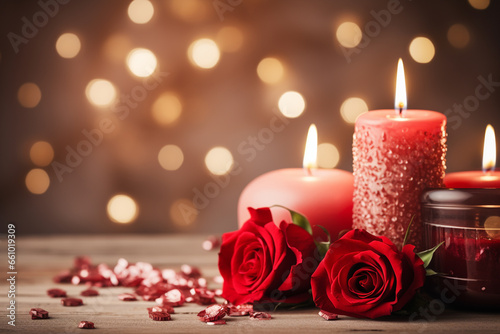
(127, 297)
(169, 288)
(86, 325)
(71, 302)
(165, 309)
(173, 298)
(56, 293)
(160, 316)
(213, 313)
(328, 315)
(38, 313)
(89, 293)
(216, 322)
(240, 310)
(260, 316)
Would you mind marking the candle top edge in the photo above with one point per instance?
(382, 116)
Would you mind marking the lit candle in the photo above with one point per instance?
(396, 155)
(324, 196)
(487, 178)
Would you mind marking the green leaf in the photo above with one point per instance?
(323, 246)
(408, 231)
(430, 272)
(298, 219)
(426, 255)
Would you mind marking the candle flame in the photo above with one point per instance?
(311, 151)
(400, 100)
(489, 150)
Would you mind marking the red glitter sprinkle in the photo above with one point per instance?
(160, 316)
(86, 325)
(71, 302)
(240, 310)
(164, 309)
(89, 293)
(127, 297)
(213, 313)
(328, 315)
(190, 272)
(56, 293)
(216, 322)
(260, 316)
(173, 298)
(38, 313)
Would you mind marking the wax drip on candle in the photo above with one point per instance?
(400, 99)
(311, 151)
(489, 150)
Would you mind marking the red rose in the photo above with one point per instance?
(266, 263)
(365, 276)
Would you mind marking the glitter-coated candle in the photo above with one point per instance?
(396, 155)
(394, 159)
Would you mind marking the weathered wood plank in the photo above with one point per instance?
(40, 258)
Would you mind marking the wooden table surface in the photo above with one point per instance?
(38, 259)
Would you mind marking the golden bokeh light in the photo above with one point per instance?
(349, 34)
(328, 155)
(100, 92)
(422, 50)
(37, 181)
(270, 70)
(190, 10)
(68, 45)
(166, 109)
(41, 153)
(122, 209)
(170, 157)
(479, 4)
(140, 11)
(219, 160)
(230, 39)
(141, 62)
(183, 212)
(29, 95)
(116, 47)
(291, 104)
(458, 36)
(204, 53)
(352, 108)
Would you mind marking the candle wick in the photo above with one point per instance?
(401, 111)
(308, 171)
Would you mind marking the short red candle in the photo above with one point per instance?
(472, 179)
(324, 196)
(487, 178)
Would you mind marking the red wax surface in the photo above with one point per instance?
(324, 197)
(472, 179)
(394, 159)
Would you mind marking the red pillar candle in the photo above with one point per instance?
(487, 178)
(396, 155)
(324, 196)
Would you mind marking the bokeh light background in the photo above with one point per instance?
(167, 100)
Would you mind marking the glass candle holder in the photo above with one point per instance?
(468, 262)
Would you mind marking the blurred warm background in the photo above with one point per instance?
(152, 116)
